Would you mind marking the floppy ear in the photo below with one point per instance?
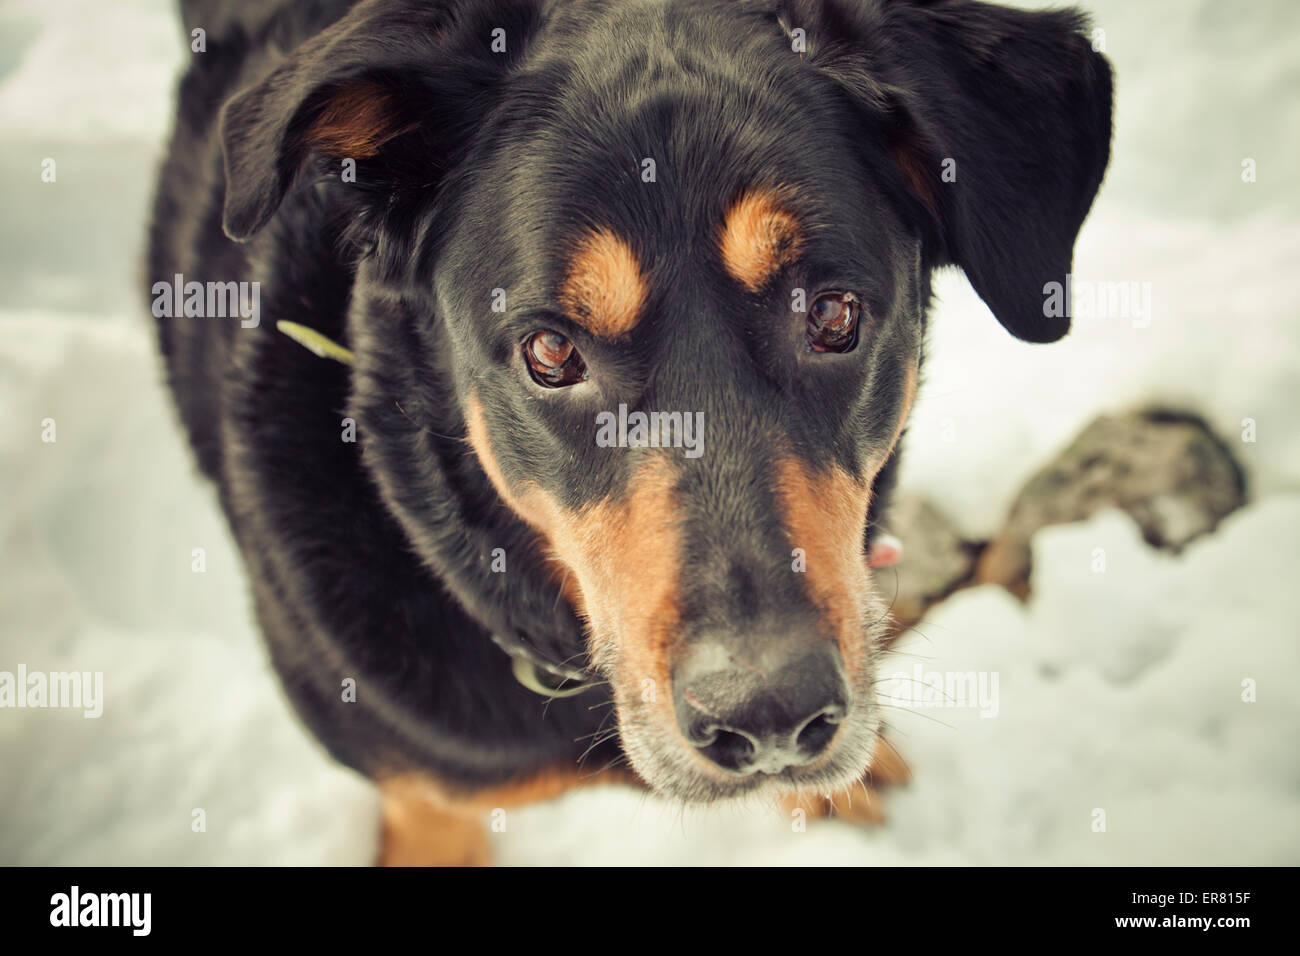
(1000, 123)
(396, 87)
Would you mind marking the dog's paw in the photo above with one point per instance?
(862, 802)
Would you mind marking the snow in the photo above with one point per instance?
(1154, 689)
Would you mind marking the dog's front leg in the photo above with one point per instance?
(428, 824)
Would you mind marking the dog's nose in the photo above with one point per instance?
(763, 711)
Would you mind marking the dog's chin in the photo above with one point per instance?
(667, 764)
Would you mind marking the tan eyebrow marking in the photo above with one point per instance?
(604, 287)
(759, 236)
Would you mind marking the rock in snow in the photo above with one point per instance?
(935, 559)
(1165, 469)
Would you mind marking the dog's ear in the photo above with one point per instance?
(999, 121)
(396, 87)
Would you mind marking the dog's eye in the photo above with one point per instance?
(552, 360)
(833, 322)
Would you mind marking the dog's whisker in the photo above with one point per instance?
(919, 712)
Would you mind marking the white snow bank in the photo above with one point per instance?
(97, 534)
(1223, 340)
(90, 71)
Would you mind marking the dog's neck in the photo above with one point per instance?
(532, 669)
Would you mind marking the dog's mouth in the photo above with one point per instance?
(674, 766)
(795, 715)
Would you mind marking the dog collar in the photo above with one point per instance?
(536, 679)
(540, 675)
(530, 669)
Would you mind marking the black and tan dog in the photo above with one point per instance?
(517, 221)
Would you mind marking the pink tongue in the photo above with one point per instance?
(886, 551)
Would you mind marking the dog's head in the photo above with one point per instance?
(671, 260)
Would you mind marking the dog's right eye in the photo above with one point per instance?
(552, 360)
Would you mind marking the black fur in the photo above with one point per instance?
(371, 560)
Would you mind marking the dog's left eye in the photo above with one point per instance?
(833, 322)
(552, 359)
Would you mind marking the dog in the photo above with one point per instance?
(528, 245)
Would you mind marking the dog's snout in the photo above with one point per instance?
(760, 711)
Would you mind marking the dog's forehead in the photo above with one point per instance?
(663, 163)
(605, 283)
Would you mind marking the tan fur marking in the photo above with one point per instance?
(627, 557)
(418, 832)
(355, 121)
(909, 399)
(826, 515)
(918, 169)
(759, 236)
(604, 288)
(624, 555)
(428, 824)
(477, 436)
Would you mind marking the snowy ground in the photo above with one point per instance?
(1119, 692)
